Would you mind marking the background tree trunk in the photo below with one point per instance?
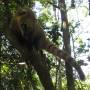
(89, 6)
(67, 48)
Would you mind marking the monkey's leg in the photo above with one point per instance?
(42, 70)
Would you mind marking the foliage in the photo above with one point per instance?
(16, 76)
(82, 85)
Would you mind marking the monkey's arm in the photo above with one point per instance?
(45, 44)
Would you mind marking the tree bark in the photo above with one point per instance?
(67, 48)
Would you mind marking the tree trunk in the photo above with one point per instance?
(67, 48)
(89, 6)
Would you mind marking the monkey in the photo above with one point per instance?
(28, 31)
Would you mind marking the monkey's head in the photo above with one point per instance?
(24, 13)
(25, 18)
